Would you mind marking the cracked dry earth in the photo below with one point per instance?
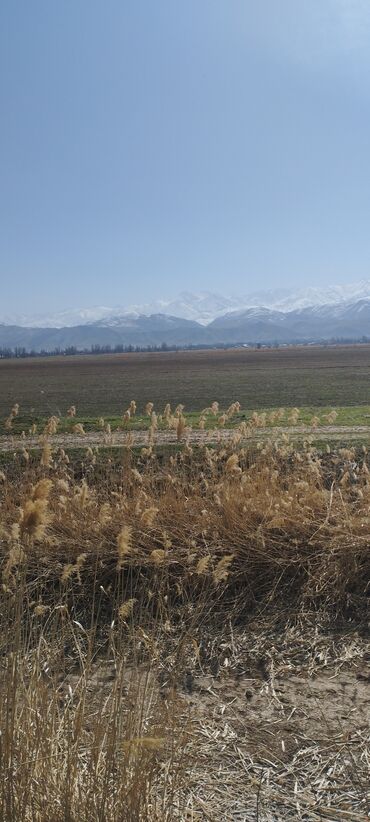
(277, 729)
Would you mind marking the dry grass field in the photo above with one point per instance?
(184, 631)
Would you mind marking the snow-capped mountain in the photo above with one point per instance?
(203, 307)
(292, 300)
(345, 320)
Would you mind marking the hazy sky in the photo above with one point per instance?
(156, 145)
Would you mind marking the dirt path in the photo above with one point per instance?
(120, 439)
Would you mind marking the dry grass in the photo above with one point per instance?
(117, 576)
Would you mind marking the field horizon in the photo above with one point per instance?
(267, 378)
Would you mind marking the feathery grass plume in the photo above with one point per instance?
(167, 411)
(40, 609)
(166, 541)
(151, 436)
(233, 409)
(222, 569)
(347, 453)
(82, 494)
(125, 610)
(8, 425)
(236, 438)
(179, 409)
(232, 465)
(136, 476)
(132, 408)
(149, 408)
(172, 422)
(63, 457)
(180, 428)
(25, 454)
(158, 556)
(42, 489)
(34, 518)
(315, 421)
(15, 558)
(214, 408)
(51, 426)
(202, 422)
(33, 430)
(63, 485)
(293, 416)
(105, 514)
(254, 420)
(202, 565)
(331, 416)
(126, 417)
(71, 412)
(345, 479)
(73, 568)
(243, 429)
(149, 515)
(15, 531)
(79, 429)
(46, 455)
(101, 423)
(153, 421)
(124, 544)
(222, 420)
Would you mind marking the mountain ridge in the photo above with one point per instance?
(203, 307)
(253, 325)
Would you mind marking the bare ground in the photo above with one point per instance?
(277, 727)
(286, 738)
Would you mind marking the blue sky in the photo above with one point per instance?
(148, 147)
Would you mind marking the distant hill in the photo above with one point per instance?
(344, 320)
(202, 308)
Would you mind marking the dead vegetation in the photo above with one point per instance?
(163, 622)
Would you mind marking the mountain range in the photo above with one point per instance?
(276, 316)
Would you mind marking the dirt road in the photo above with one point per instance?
(120, 439)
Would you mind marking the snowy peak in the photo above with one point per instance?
(345, 320)
(203, 307)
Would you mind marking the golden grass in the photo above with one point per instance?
(130, 561)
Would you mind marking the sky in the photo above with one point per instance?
(151, 147)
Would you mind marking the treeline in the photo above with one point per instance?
(20, 352)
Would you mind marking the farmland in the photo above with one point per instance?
(314, 377)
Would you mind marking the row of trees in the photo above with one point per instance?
(20, 352)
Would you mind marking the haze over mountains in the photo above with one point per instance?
(276, 316)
